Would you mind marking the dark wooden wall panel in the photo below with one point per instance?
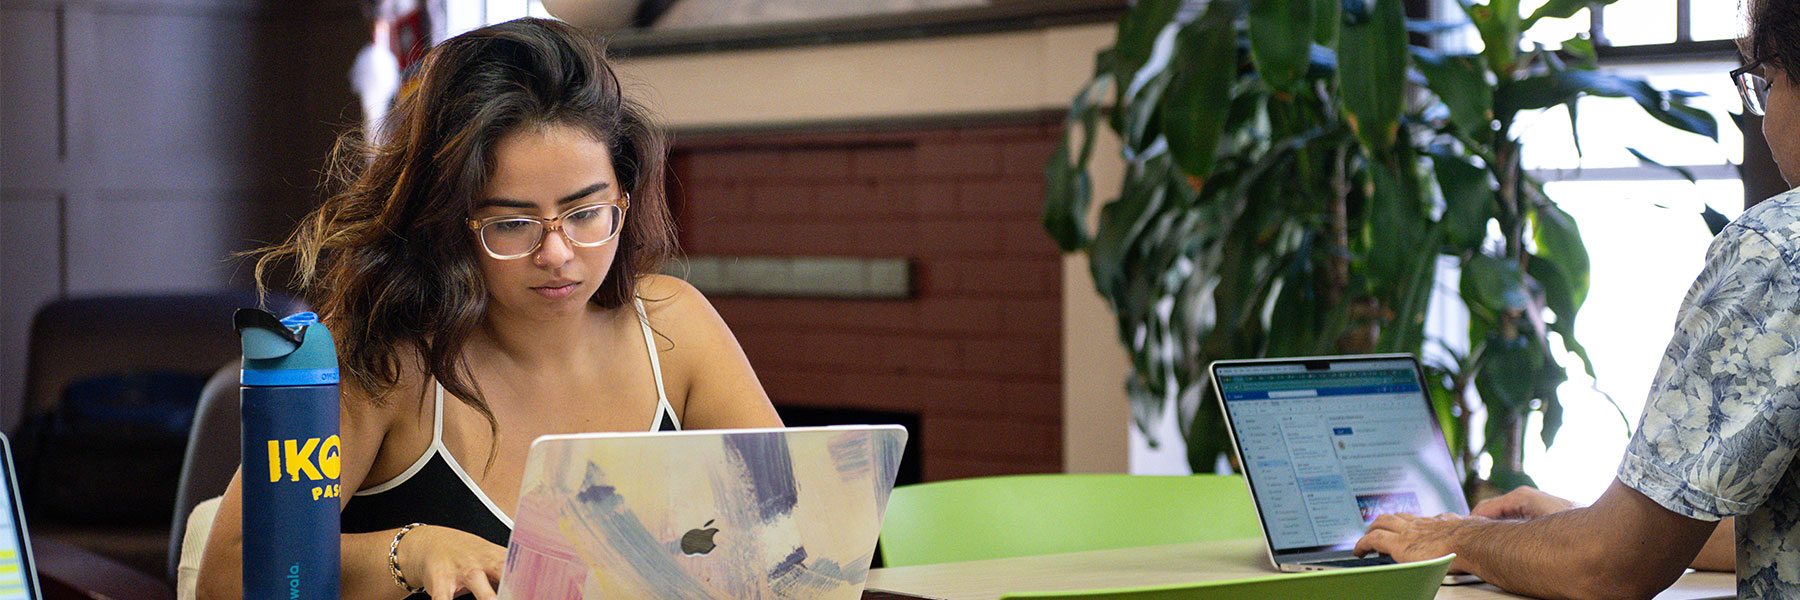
(164, 135)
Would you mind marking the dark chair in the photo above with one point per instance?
(213, 453)
(76, 340)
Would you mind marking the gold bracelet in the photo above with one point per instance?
(394, 560)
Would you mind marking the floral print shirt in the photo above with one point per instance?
(1722, 423)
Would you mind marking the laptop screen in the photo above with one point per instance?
(16, 575)
(1330, 444)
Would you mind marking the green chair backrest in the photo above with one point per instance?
(1405, 581)
(1028, 515)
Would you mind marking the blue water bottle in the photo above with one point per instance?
(291, 456)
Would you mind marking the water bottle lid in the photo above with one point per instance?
(297, 350)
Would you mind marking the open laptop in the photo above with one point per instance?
(741, 514)
(1330, 443)
(18, 572)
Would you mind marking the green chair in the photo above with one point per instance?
(1028, 515)
(1406, 581)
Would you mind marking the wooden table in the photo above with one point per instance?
(1156, 565)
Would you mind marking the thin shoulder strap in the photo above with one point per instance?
(437, 415)
(662, 398)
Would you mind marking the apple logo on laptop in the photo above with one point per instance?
(698, 542)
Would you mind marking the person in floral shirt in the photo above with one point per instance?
(1719, 431)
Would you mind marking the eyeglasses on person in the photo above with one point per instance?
(517, 236)
(1753, 86)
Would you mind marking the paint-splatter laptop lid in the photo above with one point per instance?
(741, 514)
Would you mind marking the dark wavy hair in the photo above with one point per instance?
(387, 259)
(1773, 35)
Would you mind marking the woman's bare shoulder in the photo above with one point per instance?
(677, 306)
(385, 404)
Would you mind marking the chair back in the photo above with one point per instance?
(214, 449)
(132, 343)
(1405, 581)
(1027, 515)
(75, 338)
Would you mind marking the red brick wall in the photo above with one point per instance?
(976, 352)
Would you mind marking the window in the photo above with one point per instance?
(1641, 223)
(1673, 23)
(464, 15)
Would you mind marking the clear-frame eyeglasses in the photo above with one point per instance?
(517, 236)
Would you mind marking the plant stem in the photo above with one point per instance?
(1511, 457)
(1507, 171)
(1338, 260)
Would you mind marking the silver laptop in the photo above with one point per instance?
(1330, 443)
(18, 572)
(741, 514)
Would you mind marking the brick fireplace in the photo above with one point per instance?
(973, 352)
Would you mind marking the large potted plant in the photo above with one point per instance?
(1295, 169)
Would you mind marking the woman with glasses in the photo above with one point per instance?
(1720, 429)
(490, 272)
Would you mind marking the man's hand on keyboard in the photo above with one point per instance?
(1411, 538)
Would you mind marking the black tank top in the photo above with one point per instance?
(436, 490)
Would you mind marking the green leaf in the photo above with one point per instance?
(1503, 480)
(1509, 374)
(1068, 187)
(1135, 45)
(1296, 320)
(1549, 379)
(1281, 40)
(1684, 172)
(1207, 439)
(1137, 34)
(1444, 404)
(1559, 242)
(1582, 49)
(1714, 220)
(1462, 84)
(1199, 97)
(1680, 115)
(1122, 221)
(1142, 111)
(1558, 87)
(1559, 295)
(1469, 201)
(1560, 9)
(1395, 228)
(1575, 127)
(1500, 27)
(1146, 408)
(1067, 195)
(1493, 287)
(1553, 419)
(1327, 17)
(1372, 61)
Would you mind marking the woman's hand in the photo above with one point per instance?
(449, 562)
(1524, 502)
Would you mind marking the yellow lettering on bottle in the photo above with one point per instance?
(275, 461)
(300, 459)
(317, 491)
(329, 460)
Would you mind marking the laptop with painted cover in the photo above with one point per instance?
(1330, 443)
(742, 514)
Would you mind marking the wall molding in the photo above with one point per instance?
(798, 276)
(256, 9)
(860, 132)
(995, 18)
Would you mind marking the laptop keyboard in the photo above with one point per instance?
(1372, 561)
